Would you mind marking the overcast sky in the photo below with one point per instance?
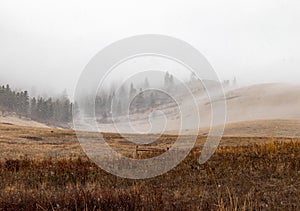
(48, 43)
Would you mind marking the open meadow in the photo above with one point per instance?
(45, 169)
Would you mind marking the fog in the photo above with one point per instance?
(44, 46)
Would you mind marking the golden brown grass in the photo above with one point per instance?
(262, 174)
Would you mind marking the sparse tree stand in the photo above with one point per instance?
(138, 101)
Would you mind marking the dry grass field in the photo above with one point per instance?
(45, 169)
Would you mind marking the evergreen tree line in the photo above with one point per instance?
(138, 97)
(39, 109)
(11, 101)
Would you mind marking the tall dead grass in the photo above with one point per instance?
(255, 177)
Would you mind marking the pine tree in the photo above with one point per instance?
(66, 112)
(167, 80)
(146, 83)
(33, 108)
(49, 111)
(132, 92)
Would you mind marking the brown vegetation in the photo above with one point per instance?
(256, 176)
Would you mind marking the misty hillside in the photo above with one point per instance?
(252, 103)
(257, 102)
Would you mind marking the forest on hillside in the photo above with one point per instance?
(132, 99)
(36, 108)
(60, 110)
